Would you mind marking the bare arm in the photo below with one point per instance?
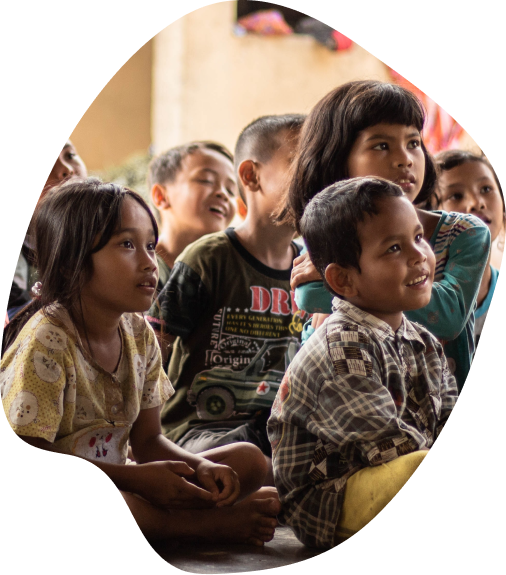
(149, 444)
(162, 483)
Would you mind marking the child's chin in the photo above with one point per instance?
(420, 304)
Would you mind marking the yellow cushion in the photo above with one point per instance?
(370, 489)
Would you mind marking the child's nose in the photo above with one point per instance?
(149, 261)
(221, 191)
(63, 170)
(475, 203)
(418, 255)
(403, 158)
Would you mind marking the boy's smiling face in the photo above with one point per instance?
(202, 197)
(397, 264)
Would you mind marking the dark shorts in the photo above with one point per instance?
(216, 434)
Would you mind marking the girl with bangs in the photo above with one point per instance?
(81, 373)
(370, 128)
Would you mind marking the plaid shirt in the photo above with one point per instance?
(357, 394)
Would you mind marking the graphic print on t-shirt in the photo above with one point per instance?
(247, 356)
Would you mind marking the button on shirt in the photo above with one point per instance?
(357, 394)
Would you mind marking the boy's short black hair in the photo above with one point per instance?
(450, 159)
(260, 139)
(165, 167)
(330, 221)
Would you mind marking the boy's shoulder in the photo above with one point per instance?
(208, 245)
(223, 253)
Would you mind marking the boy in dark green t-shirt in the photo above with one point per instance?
(193, 189)
(228, 307)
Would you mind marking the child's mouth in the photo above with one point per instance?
(420, 280)
(218, 210)
(483, 218)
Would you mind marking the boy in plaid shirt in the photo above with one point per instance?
(366, 397)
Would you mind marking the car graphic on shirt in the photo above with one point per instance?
(221, 392)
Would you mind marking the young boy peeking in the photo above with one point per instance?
(193, 189)
(229, 308)
(370, 391)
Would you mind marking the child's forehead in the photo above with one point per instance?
(133, 216)
(466, 170)
(206, 158)
(389, 129)
(396, 215)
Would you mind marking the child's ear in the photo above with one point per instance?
(248, 174)
(341, 280)
(159, 197)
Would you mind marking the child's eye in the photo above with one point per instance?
(152, 246)
(393, 249)
(414, 144)
(381, 146)
(231, 193)
(208, 182)
(486, 189)
(418, 238)
(127, 244)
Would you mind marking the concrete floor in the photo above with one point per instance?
(284, 549)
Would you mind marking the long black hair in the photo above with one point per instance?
(71, 223)
(330, 130)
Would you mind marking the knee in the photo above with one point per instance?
(253, 459)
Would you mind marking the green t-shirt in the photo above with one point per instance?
(237, 329)
(163, 273)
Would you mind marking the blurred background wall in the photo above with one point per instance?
(203, 77)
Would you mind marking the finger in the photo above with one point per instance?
(296, 278)
(230, 492)
(298, 260)
(208, 482)
(180, 468)
(191, 491)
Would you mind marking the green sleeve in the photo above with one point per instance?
(313, 297)
(454, 295)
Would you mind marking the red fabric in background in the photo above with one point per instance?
(265, 22)
(441, 131)
(342, 41)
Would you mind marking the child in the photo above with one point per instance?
(370, 128)
(193, 188)
(467, 183)
(228, 302)
(368, 394)
(69, 165)
(84, 374)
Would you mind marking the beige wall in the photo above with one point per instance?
(197, 80)
(209, 83)
(118, 123)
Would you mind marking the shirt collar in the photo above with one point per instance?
(382, 329)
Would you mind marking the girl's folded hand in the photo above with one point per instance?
(220, 480)
(168, 484)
